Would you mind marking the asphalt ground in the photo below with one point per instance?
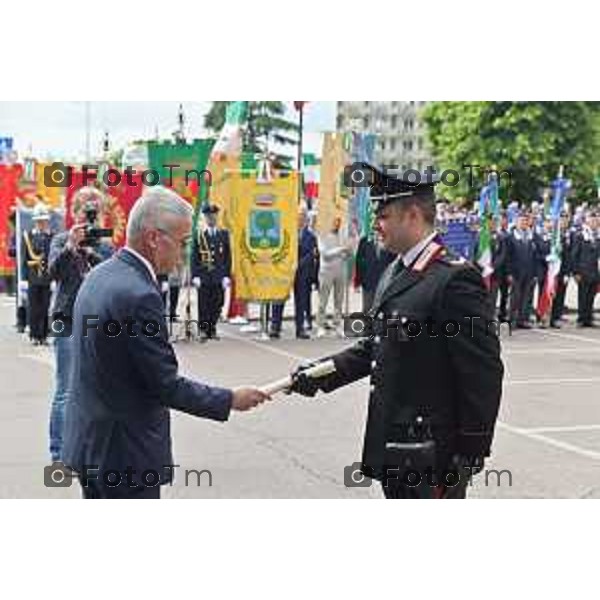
(548, 435)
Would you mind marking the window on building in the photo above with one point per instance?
(394, 122)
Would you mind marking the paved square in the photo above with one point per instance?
(548, 436)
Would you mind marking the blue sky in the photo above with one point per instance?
(57, 129)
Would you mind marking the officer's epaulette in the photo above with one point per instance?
(431, 252)
(455, 261)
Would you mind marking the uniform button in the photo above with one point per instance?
(377, 339)
(372, 387)
(373, 364)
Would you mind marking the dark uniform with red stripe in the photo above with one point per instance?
(434, 363)
(434, 394)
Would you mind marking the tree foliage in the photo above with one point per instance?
(528, 139)
(267, 125)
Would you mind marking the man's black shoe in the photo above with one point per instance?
(303, 335)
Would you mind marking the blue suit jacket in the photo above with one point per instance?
(123, 386)
(308, 251)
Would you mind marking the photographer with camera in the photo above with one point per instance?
(72, 255)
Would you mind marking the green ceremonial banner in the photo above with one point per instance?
(173, 160)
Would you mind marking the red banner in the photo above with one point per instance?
(9, 188)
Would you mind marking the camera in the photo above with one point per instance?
(354, 476)
(93, 234)
(358, 325)
(359, 175)
(57, 475)
(60, 325)
(58, 175)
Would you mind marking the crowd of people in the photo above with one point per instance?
(521, 245)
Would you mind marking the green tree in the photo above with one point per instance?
(267, 124)
(528, 139)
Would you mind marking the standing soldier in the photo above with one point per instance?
(566, 250)
(211, 272)
(37, 248)
(521, 268)
(434, 394)
(585, 257)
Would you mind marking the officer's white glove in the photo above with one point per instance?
(164, 288)
(226, 282)
(23, 286)
(196, 282)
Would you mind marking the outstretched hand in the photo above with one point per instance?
(246, 398)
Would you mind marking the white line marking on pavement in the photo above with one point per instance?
(541, 350)
(264, 346)
(566, 336)
(566, 429)
(538, 437)
(509, 381)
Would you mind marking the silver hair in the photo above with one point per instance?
(152, 208)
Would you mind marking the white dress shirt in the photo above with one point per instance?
(409, 257)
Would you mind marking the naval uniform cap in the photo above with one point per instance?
(210, 209)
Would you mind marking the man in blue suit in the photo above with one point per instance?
(125, 373)
(521, 268)
(308, 254)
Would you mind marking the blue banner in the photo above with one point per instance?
(461, 238)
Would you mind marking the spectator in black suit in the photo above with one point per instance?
(586, 253)
(124, 384)
(371, 261)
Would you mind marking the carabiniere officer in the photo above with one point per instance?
(434, 395)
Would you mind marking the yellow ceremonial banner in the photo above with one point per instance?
(264, 218)
(222, 168)
(333, 197)
(53, 196)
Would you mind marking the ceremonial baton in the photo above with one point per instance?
(320, 370)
